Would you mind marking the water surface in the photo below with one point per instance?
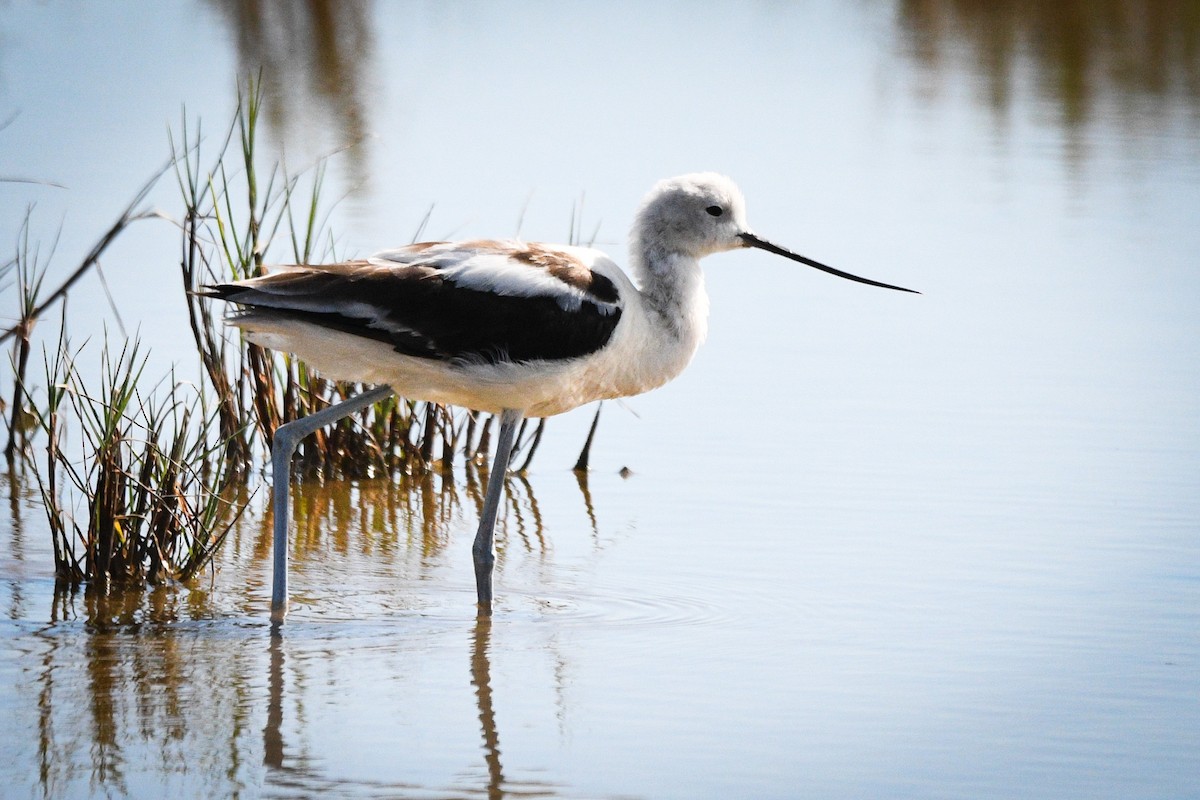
(872, 545)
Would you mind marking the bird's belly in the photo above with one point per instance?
(537, 388)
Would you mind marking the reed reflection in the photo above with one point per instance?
(314, 59)
(130, 685)
(122, 693)
(16, 490)
(382, 518)
(1143, 56)
(402, 527)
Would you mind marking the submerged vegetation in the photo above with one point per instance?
(148, 489)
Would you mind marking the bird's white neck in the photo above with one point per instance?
(672, 289)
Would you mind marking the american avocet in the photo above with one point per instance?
(512, 328)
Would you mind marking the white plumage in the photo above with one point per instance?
(513, 328)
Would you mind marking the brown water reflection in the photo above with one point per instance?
(976, 577)
(318, 58)
(117, 701)
(409, 524)
(1146, 55)
(314, 59)
(192, 686)
(418, 512)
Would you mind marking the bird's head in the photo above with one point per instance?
(704, 213)
(693, 215)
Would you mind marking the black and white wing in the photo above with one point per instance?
(483, 301)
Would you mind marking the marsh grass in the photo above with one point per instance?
(146, 502)
(142, 490)
(236, 218)
(30, 272)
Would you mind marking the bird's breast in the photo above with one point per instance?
(650, 348)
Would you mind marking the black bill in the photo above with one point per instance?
(762, 244)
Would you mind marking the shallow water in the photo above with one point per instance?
(872, 545)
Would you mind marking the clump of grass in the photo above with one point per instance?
(140, 497)
(151, 481)
(234, 216)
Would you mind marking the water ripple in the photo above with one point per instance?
(621, 608)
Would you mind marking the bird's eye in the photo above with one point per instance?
(715, 211)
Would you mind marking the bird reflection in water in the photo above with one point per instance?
(401, 529)
(370, 519)
(117, 678)
(481, 679)
(299, 771)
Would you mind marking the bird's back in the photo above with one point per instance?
(469, 302)
(472, 323)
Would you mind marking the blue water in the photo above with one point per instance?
(872, 545)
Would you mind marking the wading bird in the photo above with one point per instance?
(511, 328)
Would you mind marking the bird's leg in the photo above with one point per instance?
(483, 552)
(287, 437)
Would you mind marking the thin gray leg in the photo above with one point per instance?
(287, 437)
(482, 550)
